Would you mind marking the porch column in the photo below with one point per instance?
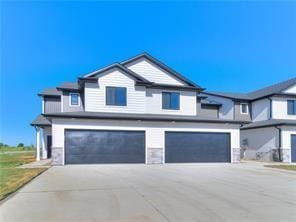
(44, 151)
(37, 143)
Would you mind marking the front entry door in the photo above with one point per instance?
(49, 146)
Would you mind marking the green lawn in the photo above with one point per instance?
(284, 167)
(12, 178)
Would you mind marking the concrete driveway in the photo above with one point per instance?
(189, 192)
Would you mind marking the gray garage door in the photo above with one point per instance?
(293, 148)
(189, 147)
(88, 146)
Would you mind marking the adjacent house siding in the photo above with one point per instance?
(237, 112)
(279, 109)
(287, 132)
(260, 144)
(153, 73)
(154, 102)
(66, 103)
(95, 93)
(291, 89)
(260, 110)
(52, 104)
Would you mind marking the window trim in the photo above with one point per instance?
(294, 107)
(169, 92)
(241, 108)
(115, 105)
(70, 99)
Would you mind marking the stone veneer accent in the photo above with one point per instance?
(236, 153)
(285, 154)
(57, 155)
(154, 155)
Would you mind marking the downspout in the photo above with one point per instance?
(280, 142)
(270, 108)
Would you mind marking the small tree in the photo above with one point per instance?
(20, 145)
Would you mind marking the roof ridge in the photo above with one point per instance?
(162, 65)
(292, 80)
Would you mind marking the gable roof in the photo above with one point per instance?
(276, 89)
(69, 86)
(273, 89)
(239, 96)
(119, 66)
(40, 120)
(50, 92)
(162, 66)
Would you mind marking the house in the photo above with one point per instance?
(271, 136)
(136, 111)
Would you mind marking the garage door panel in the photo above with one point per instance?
(185, 147)
(104, 146)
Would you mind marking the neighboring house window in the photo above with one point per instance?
(74, 99)
(171, 100)
(116, 96)
(291, 107)
(244, 108)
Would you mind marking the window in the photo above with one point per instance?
(116, 96)
(170, 100)
(74, 99)
(244, 108)
(291, 107)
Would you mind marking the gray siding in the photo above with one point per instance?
(66, 103)
(206, 111)
(238, 115)
(52, 105)
(209, 111)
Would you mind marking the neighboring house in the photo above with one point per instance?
(272, 110)
(136, 111)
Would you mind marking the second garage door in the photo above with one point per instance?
(190, 147)
(90, 146)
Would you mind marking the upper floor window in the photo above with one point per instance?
(291, 107)
(74, 99)
(171, 100)
(244, 108)
(116, 96)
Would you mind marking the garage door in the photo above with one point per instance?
(189, 147)
(88, 146)
(293, 148)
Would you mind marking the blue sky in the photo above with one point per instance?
(222, 46)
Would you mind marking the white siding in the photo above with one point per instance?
(261, 110)
(153, 73)
(154, 130)
(287, 131)
(226, 111)
(154, 102)
(279, 109)
(261, 142)
(291, 89)
(95, 93)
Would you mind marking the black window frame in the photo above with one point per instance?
(170, 106)
(116, 99)
(291, 108)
